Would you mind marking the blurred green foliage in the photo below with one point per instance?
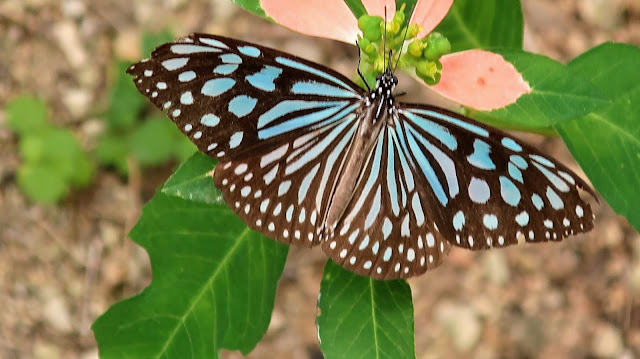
(151, 140)
(53, 161)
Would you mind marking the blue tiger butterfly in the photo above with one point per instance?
(307, 157)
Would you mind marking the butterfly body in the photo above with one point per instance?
(309, 158)
(378, 110)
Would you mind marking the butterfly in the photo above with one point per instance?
(307, 157)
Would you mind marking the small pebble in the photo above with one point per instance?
(607, 342)
(461, 324)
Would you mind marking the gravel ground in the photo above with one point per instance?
(62, 266)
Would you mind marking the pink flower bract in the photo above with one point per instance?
(480, 79)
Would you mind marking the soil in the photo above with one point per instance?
(62, 266)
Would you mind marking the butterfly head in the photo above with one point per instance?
(383, 92)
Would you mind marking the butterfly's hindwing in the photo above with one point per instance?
(389, 228)
(285, 193)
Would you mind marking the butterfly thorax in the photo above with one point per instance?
(382, 95)
(378, 112)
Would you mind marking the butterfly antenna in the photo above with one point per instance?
(384, 34)
(404, 38)
(358, 68)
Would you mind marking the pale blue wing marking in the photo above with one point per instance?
(249, 51)
(242, 105)
(439, 132)
(298, 122)
(455, 121)
(264, 79)
(217, 86)
(321, 89)
(509, 192)
(480, 156)
(285, 107)
(444, 161)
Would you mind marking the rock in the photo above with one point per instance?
(44, 350)
(603, 13)
(77, 101)
(127, 45)
(496, 268)
(68, 37)
(461, 324)
(607, 342)
(56, 313)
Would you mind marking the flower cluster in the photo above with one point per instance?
(475, 78)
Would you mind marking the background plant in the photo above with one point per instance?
(53, 162)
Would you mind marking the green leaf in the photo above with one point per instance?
(151, 141)
(126, 103)
(26, 115)
(41, 184)
(252, 6)
(606, 143)
(59, 151)
(32, 148)
(358, 9)
(213, 286)
(152, 40)
(557, 94)
(612, 67)
(193, 181)
(112, 150)
(473, 24)
(408, 7)
(83, 170)
(364, 318)
(183, 147)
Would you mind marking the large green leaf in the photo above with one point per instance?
(557, 94)
(213, 286)
(193, 181)
(473, 24)
(606, 143)
(364, 318)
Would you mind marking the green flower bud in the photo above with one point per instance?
(415, 48)
(414, 30)
(429, 71)
(370, 26)
(437, 46)
(398, 20)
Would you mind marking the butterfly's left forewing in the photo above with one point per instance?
(279, 125)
